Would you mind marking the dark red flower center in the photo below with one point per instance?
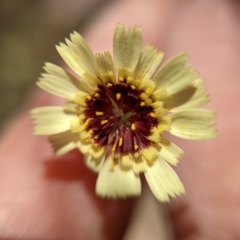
(119, 119)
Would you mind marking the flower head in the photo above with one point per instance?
(117, 109)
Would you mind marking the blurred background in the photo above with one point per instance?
(29, 31)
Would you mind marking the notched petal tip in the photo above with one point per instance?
(163, 181)
(113, 182)
(127, 45)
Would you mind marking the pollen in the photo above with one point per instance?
(99, 113)
(97, 95)
(152, 114)
(120, 141)
(109, 84)
(142, 104)
(133, 127)
(120, 79)
(91, 131)
(133, 87)
(104, 122)
(87, 121)
(114, 147)
(89, 97)
(135, 147)
(96, 137)
(118, 96)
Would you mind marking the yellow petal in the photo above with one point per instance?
(64, 142)
(75, 125)
(51, 120)
(84, 146)
(193, 96)
(155, 135)
(147, 85)
(126, 161)
(139, 165)
(58, 82)
(81, 98)
(78, 55)
(175, 74)
(127, 46)
(105, 63)
(94, 164)
(163, 181)
(160, 93)
(114, 182)
(148, 62)
(158, 109)
(195, 124)
(96, 151)
(170, 152)
(71, 107)
(150, 153)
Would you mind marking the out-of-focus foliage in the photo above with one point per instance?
(29, 30)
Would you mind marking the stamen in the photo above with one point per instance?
(133, 127)
(111, 118)
(118, 96)
(120, 141)
(99, 113)
(104, 122)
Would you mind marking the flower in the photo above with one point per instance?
(116, 111)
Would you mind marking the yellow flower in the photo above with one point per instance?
(117, 109)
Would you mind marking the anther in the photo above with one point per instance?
(104, 122)
(152, 114)
(109, 84)
(133, 127)
(99, 113)
(142, 104)
(87, 121)
(118, 96)
(91, 131)
(89, 97)
(120, 141)
(120, 79)
(114, 147)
